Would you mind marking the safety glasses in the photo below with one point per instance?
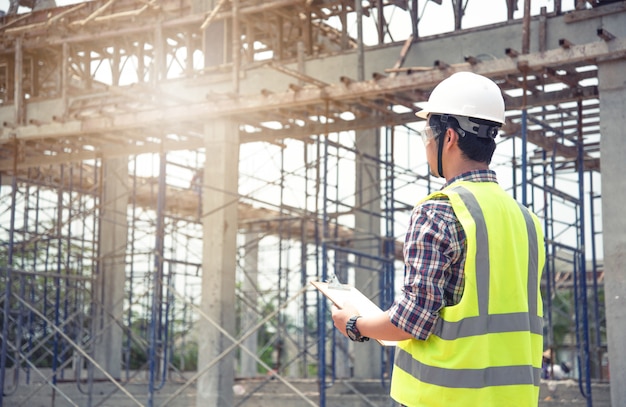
(429, 133)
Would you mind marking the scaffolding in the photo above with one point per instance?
(102, 186)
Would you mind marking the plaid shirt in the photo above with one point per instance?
(434, 258)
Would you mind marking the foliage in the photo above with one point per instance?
(185, 357)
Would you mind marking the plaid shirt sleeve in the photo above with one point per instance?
(434, 256)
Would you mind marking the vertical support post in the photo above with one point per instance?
(304, 277)
(116, 66)
(141, 66)
(65, 66)
(86, 69)
(585, 361)
(158, 66)
(279, 53)
(526, 28)
(213, 44)
(322, 314)
(18, 97)
(558, 9)
(249, 50)
(387, 281)
(359, 38)
(279, 354)
(381, 22)
(113, 236)
(189, 49)
(415, 19)
(511, 5)
(548, 271)
(543, 30)
(367, 364)
(249, 288)
(301, 58)
(594, 264)
(524, 141)
(308, 34)
(236, 46)
(219, 256)
(613, 150)
(343, 18)
(56, 341)
(155, 344)
(303, 338)
(7, 291)
(340, 351)
(458, 14)
(524, 156)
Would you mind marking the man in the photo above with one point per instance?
(469, 318)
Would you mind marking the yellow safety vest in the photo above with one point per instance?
(486, 350)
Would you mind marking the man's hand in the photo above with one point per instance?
(376, 326)
(342, 315)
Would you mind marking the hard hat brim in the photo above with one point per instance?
(422, 114)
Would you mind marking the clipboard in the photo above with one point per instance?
(339, 293)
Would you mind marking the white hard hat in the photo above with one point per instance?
(466, 94)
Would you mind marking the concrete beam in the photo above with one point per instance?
(308, 96)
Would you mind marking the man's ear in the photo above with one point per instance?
(451, 136)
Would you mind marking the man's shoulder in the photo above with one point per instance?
(437, 206)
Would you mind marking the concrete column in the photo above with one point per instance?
(612, 86)
(367, 363)
(113, 236)
(249, 315)
(219, 221)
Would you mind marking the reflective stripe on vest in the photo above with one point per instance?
(521, 322)
(467, 378)
(485, 323)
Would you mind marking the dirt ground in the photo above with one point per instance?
(260, 392)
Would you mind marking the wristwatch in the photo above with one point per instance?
(353, 332)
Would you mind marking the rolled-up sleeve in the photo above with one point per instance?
(433, 263)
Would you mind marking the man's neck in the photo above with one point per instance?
(463, 167)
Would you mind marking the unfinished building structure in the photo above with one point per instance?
(174, 173)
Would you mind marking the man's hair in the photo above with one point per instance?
(472, 146)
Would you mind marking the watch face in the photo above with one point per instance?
(351, 333)
(351, 330)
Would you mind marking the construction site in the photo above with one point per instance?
(175, 173)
